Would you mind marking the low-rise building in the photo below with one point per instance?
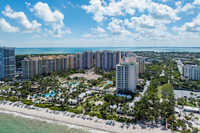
(191, 109)
(192, 72)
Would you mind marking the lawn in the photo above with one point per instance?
(159, 91)
(5, 87)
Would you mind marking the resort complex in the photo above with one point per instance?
(121, 91)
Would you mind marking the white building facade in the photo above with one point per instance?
(192, 72)
(126, 76)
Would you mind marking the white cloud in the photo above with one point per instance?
(6, 27)
(100, 8)
(185, 8)
(196, 2)
(148, 26)
(98, 29)
(165, 1)
(192, 27)
(88, 35)
(52, 18)
(59, 33)
(142, 22)
(163, 13)
(28, 4)
(35, 36)
(178, 3)
(27, 26)
(103, 35)
(116, 26)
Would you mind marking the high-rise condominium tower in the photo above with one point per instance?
(7, 62)
(126, 76)
(43, 65)
(107, 60)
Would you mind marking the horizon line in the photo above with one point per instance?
(110, 47)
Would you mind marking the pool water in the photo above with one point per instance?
(73, 84)
(52, 94)
(109, 82)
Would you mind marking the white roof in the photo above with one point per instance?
(72, 100)
(84, 94)
(191, 108)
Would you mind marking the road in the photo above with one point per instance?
(145, 88)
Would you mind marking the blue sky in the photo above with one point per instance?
(100, 23)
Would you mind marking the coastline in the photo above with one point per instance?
(68, 50)
(42, 113)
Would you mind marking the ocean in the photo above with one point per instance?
(21, 51)
(18, 123)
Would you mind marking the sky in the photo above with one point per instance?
(100, 23)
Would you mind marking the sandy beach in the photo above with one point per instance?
(86, 121)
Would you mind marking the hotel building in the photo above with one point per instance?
(126, 76)
(192, 72)
(43, 65)
(107, 60)
(7, 62)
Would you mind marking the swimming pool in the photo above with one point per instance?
(52, 94)
(109, 82)
(72, 84)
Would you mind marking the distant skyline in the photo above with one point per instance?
(100, 23)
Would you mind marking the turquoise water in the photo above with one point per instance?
(52, 94)
(109, 82)
(16, 124)
(20, 51)
(70, 83)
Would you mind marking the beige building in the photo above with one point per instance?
(141, 65)
(107, 60)
(71, 61)
(43, 65)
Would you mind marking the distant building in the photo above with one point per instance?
(83, 60)
(126, 76)
(192, 72)
(43, 65)
(79, 61)
(139, 60)
(141, 65)
(128, 54)
(87, 59)
(180, 66)
(71, 61)
(7, 62)
(107, 59)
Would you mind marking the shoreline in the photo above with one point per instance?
(59, 117)
(53, 121)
